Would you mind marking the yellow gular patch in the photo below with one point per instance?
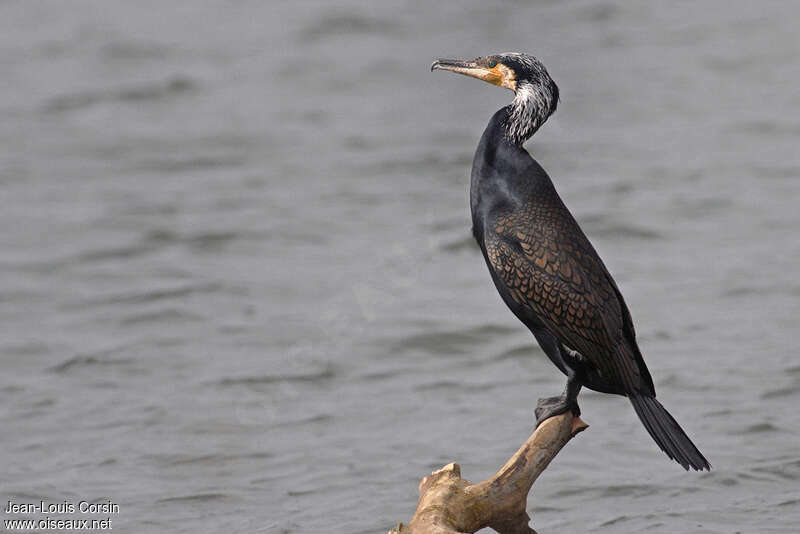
(507, 77)
(493, 76)
(499, 75)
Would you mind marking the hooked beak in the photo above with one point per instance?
(469, 68)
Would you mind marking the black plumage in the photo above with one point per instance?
(543, 265)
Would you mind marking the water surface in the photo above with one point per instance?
(239, 291)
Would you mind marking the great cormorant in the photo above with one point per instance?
(543, 265)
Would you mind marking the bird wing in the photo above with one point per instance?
(552, 269)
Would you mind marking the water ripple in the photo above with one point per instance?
(152, 91)
(151, 296)
(451, 341)
(604, 226)
(196, 498)
(80, 361)
(349, 24)
(786, 470)
(327, 373)
(758, 428)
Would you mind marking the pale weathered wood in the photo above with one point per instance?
(448, 504)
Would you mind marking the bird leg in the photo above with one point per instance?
(550, 406)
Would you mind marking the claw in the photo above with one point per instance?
(550, 406)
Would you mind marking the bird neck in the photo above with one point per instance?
(529, 110)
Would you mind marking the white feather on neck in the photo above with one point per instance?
(528, 112)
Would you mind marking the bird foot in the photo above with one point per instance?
(550, 406)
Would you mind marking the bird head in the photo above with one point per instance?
(536, 94)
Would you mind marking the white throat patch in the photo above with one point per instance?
(529, 110)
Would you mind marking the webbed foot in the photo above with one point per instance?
(550, 406)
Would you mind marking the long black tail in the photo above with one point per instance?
(666, 431)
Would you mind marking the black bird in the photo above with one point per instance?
(545, 268)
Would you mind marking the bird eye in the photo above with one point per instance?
(492, 63)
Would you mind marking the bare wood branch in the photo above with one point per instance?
(448, 504)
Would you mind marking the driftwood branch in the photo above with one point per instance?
(448, 504)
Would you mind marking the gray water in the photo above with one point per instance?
(239, 292)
